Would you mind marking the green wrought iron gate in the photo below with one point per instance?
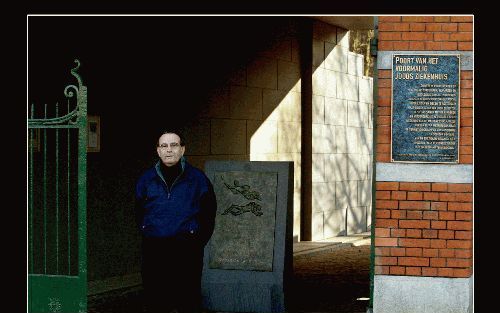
(57, 195)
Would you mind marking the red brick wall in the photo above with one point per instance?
(425, 33)
(424, 229)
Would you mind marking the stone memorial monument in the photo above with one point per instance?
(425, 108)
(248, 260)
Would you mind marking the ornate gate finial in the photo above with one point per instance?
(73, 72)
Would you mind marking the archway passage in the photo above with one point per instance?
(137, 81)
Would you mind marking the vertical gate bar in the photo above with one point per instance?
(82, 186)
(69, 203)
(82, 193)
(45, 195)
(57, 192)
(31, 192)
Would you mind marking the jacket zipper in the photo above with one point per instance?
(169, 190)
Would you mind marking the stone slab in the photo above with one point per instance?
(248, 260)
(438, 173)
(405, 294)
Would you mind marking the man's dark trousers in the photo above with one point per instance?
(171, 274)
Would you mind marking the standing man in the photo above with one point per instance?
(175, 212)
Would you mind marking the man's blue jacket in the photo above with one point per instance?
(185, 210)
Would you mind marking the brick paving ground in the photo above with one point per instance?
(331, 279)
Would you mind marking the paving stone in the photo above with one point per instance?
(329, 276)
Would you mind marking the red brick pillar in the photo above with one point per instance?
(423, 229)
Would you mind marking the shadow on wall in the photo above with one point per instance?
(255, 114)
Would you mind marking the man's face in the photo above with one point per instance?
(169, 149)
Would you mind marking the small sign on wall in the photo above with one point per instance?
(34, 140)
(93, 133)
(425, 108)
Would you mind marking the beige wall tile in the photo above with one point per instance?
(238, 77)
(290, 107)
(318, 167)
(289, 76)
(271, 100)
(318, 53)
(335, 111)
(289, 137)
(280, 105)
(360, 64)
(325, 32)
(353, 140)
(335, 221)
(365, 192)
(318, 109)
(323, 138)
(217, 105)
(263, 136)
(358, 114)
(280, 49)
(228, 136)
(263, 73)
(366, 141)
(197, 137)
(341, 141)
(366, 89)
(336, 167)
(336, 59)
(295, 51)
(356, 167)
(246, 103)
(197, 161)
(359, 140)
(354, 64)
(317, 225)
(346, 194)
(323, 197)
(354, 115)
(343, 37)
(347, 87)
(364, 111)
(331, 83)
(319, 81)
(356, 220)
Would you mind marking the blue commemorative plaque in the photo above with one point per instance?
(425, 108)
